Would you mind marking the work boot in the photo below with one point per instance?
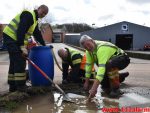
(27, 74)
(105, 91)
(22, 88)
(64, 81)
(122, 76)
(12, 88)
(116, 93)
(120, 92)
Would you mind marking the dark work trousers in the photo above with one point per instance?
(121, 62)
(16, 73)
(78, 77)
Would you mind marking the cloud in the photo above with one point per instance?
(61, 8)
(145, 12)
(139, 2)
(106, 17)
(99, 12)
(87, 1)
(1, 17)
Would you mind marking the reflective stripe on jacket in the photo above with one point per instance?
(74, 61)
(11, 28)
(101, 55)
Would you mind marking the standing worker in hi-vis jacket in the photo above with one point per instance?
(16, 35)
(109, 59)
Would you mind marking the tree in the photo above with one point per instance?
(74, 27)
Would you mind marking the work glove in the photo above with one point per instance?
(31, 45)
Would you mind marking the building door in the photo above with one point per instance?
(124, 41)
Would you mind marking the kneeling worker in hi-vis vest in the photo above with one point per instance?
(76, 61)
(109, 59)
(16, 35)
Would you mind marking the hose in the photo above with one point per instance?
(55, 58)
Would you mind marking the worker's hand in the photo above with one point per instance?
(86, 84)
(92, 93)
(31, 45)
(24, 55)
(93, 90)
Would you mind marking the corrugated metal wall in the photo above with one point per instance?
(72, 39)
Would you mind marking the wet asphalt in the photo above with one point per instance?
(136, 88)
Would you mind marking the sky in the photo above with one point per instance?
(96, 13)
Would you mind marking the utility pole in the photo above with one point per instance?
(93, 25)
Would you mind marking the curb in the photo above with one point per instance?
(139, 55)
(3, 52)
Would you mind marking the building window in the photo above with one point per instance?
(124, 27)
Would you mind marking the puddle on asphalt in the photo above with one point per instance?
(54, 103)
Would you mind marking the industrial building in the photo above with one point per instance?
(126, 35)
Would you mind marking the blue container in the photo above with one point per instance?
(42, 57)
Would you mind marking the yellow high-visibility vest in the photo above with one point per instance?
(11, 28)
(73, 52)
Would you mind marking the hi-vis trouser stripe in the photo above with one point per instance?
(77, 61)
(11, 77)
(114, 78)
(113, 73)
(20, 76)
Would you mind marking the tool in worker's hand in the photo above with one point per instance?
(65, 96)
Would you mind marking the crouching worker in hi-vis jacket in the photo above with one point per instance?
(76, 61)
(109, 59)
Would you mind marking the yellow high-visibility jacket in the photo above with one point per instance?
(11, 28)
(74, 59)
(103, 52)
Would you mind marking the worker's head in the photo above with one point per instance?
(88, 43)
(63, 54)
(42, 11)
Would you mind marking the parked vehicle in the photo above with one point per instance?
(2, 47)
(146, 47)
